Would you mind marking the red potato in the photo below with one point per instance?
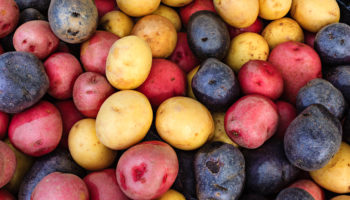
(298, 64)
(35, 37)
(256, 27)
(94, 52)
(70, 114)
(5, 195)
(58, 186)
(37, 130)
(104, 6)
(309, 38)
(195, 6)
(251, 120)
(103, 185)
(260, 77)
(9, 17)
(89, 92)
(4, 123)
(309, 186)
(165, 80)
(62, 69)
(147, 170)
(7, 163)
(182, 54)
(286, 113)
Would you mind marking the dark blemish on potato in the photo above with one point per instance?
(115, 109)
(49, 45)
(165, 177)
(204, 39)
(73, 33)
(5, 27)
(172, 79)
(220, 188)
(38, 143)
(24, 41)
(331, 36)
(259, 83)
(296, 49)
(281, 24)
(213, 166)
(342, 42)
(31, 48)
(75, 14)
(138, 172)
(306, 114)
(212, 82)
(235, 133)
(90, 92)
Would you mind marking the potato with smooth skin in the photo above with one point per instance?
(138, 8)
(170, 14)
(117, 23)
(197, 5)
(123, 119)
(176, 3)
(172, 195)
(274, 9)
(9, 17)
(125, 70)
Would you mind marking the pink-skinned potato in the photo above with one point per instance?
(298, 64)
(4, 123)
(35, 37)
(104, 6)
(7, 163)
(147, 170)
(36, 131)
(94, 52)
(103, 185)
(251, 120)
(256, 27)
(62, 69)
(309, 186)
(5, 195)
(286, 113)
(197, 5)
(59, 186)
(9, 12)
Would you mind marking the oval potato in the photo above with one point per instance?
(170, 14)
(176, 3)
(117, 23)
(138, 8)
(274, 9)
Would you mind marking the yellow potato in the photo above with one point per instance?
(219, 132)
(335, 175)
(312, 15)
(138, 8)
(274, 9)
(282, 30)
(176, 3)
(245, 47)
(184, 123)
(124, 119)
(128, 63)
(170, 14)
(189, 81)
(341, 197)
(238, 13)
(172, 195)
(117, 23)
(85, 148)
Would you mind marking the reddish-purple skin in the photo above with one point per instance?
(105, 6)
(309, 38)
(7, 163)
(5, 195)
(197, 5)
(309, 186)
(287, 113)
(9, 13)
(256, 27)
(4, 123)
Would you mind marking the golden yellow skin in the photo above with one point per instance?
(184, 123)
(238, 13)
(274, 9)
(138, 8)
(245, 47)
(219, 132)
(124, 119)
(341, 197)
(128, 63)
(170, 14)
(117, 23)
(335, 175)
(85, 148)
(172, 195)
(189, 81)
(176, 3)
(282, 30)
(312, 15)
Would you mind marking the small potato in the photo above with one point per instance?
(159, 33)
(170, 14)
(9, 13)
(124, 119)
(245, 47)
(244, 15)
(138, 8)
(176, 3)
(189, 82)
(184, 123)
(172, 195)
(219, 134)
(282, 30)
(274, 9)
(86, 149)
(312, 15)
(117, 23)
(128, 63)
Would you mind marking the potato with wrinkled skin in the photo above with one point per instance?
(138, 8)
(117, 23)
(274, 9)
(170, 14)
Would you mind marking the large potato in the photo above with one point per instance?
(124, 119)
(138, 8)
(170, 14)
(312, 15)
(117, 22)
(274, 9)
(238, 13)
(128, 63)
(184, 123)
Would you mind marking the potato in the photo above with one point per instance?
(197, 5)
(124, 119)
(244, 47)
(117, 23)
(176, 3)
(312, 15)
(172, 195)
(159, 33)
(138, 8)
(9, 17)
(274, 9)
(125, 70)
(282, 30)
(105, 6)
(189, 81)
(184, 123)
(334, 175)
(85, 147)
(309, 186)
(219, 134)
(170, 14)
(244, 15)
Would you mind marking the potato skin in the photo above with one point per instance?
(274, 9)
(8, 163)
(117, 23)
(176, 3)
(9, 17)
(189, 81)
(138, 8)
(197, 5)
(309, 186)
(172, 195)
(287, 113)
(105, 6)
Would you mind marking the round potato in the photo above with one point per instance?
(138, 8)
(189, 81)
(184, 123)
(219, 134)
(86, 149)
(117, 23)
(274, 9)
(159, 33)
(334, 175)
(170, 14)
(128, 63)
(244, 15)
(282, 30)
(124, 119)
(244, 47)
(172, 195)
(312, 15)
